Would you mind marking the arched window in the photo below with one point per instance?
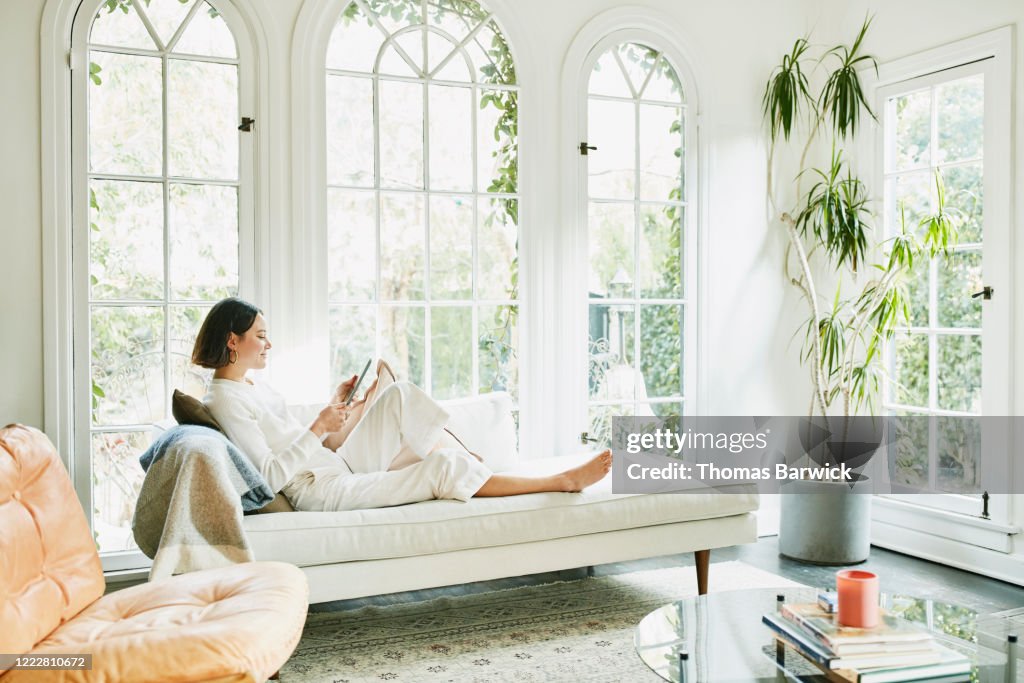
(423, 194)
(635, 215)
(162, 222)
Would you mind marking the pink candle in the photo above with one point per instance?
(858, 598)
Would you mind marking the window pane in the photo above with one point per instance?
(909, 384)
(457, 69)
(125, 120)
(913, 129)
(959, 376)
(438, 48)
(207, 34)
(402, 246)
(611, 168)
(498, 342)
(204, 241)
(913, 191)
(451, 350)
(166, 16)
(667, 409)
(127, 365)
(117, 480)
(402, 341)
(126, 238)
(392, 63)
(351, 245)
(638, 61)
(455, 17)
(664, 84)
(959, 442)
(352, 338)
(489, 53)
(355, 42)
(185, 322)
(497, 257)
(611, 249)
(661, 256)
(607, 78)
(964, 191)
(451, 247)
(451, 138)
(661, 152)
(910, 465)
(497, 141)
(600, 419)
(661, 350)
(411, 44)
(349, 131)
(120, 25)
(961, 119)
(959, 278)
(396, 14)
(401, 134)
(202, 114)
(611, 348)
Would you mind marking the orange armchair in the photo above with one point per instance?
(238, 623)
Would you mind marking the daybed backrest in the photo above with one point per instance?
(486, 425)
(49, 568)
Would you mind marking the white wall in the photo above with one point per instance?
(21, 292)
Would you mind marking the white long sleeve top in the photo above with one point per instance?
(257, 420)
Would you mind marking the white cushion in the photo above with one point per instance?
(436, 526)
(485, 425)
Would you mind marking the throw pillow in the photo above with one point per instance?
(188, 410)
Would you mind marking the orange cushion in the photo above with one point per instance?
(49, 569)
(225, 623)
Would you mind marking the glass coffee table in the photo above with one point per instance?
(722, 638)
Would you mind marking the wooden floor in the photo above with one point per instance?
(899, 574)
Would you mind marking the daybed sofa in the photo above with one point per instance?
(443, 542)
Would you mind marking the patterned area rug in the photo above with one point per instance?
(564, 631)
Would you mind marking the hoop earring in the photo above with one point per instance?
(231, 360)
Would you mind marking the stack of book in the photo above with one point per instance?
(895, 650)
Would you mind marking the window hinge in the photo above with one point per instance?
(246, 125)
(585, 148)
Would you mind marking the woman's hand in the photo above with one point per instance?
(331, 419)
(344, 389)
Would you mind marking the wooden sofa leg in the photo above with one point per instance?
(276, 676)
(702, 559)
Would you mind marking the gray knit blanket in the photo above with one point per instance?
(189, 512)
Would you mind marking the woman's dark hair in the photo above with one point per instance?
(227, 316)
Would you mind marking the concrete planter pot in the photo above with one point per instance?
(825, 522)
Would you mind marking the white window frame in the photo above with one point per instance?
(965, 541)
(313, 31)
(612, 28)
(64, 79)
(428, 302)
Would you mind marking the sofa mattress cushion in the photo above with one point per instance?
(437, 526)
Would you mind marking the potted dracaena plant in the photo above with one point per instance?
(829, 229)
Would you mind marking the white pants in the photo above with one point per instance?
(402, 421)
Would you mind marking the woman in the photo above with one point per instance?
(393, 445)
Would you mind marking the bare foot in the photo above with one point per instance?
(590, 472)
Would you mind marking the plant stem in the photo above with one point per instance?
(806, 284)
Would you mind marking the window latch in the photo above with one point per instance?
(984, 505)
(246, 125)
(585, 438)
(585, 148)
(985, 293)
